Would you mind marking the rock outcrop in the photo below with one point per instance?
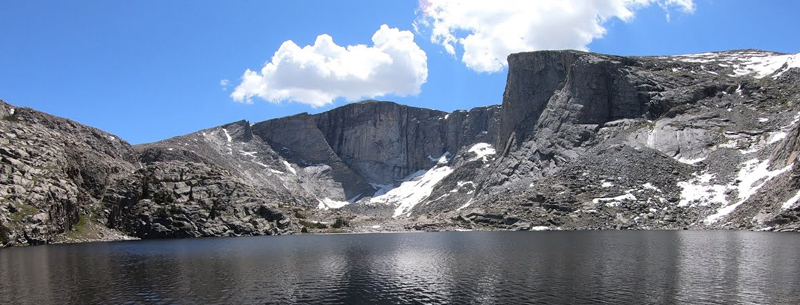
(52, 172)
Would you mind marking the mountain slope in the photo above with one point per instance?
(647, 142)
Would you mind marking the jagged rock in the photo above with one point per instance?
(53, 170)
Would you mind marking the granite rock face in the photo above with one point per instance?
(694, 141)
(176, 199)
(376, 143)
(581, 141)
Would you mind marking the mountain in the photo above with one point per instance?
(581, 141)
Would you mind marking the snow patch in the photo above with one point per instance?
(754, 172)
(461, 184)
(763, 120)
(776, 137)
(615, 201)
(794, 121)
(539, 228)
(700, 191)
(443, 159)
(289, 167)
(791, 202)
(755, 63)
(689, 161)
(11, 111)
(248, 153)
(650, 186)
(750, 142)
(469, 202)
(227, 135)
(482, 150)
(752, 176)
(606, 184)
(413, 191)
(327, 203)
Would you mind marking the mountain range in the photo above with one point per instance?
(581, 141)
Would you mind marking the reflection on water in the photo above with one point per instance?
(616, 267)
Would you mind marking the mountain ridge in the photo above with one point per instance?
(581, 141)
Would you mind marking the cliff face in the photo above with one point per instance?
(532, 80)
(376, 143)
(383, 142)
(647, 142)
(581, 141)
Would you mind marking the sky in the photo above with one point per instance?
(150, 70)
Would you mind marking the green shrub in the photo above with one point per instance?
(21, 211)
(340, 222)
(81, 228)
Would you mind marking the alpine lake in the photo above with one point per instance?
(551, 267)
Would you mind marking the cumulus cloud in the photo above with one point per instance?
(488, 31)
(224, 83)
(319, 73)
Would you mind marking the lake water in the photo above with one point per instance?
(615, 267)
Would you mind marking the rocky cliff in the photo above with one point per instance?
(61, 181)
(581, 141)
(53, 172)
(694, 141)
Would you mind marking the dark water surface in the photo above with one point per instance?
(616, 267)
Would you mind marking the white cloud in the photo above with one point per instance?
(224, 83)
(319, 73)
(488, 31)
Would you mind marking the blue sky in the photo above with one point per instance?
(150, 70)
